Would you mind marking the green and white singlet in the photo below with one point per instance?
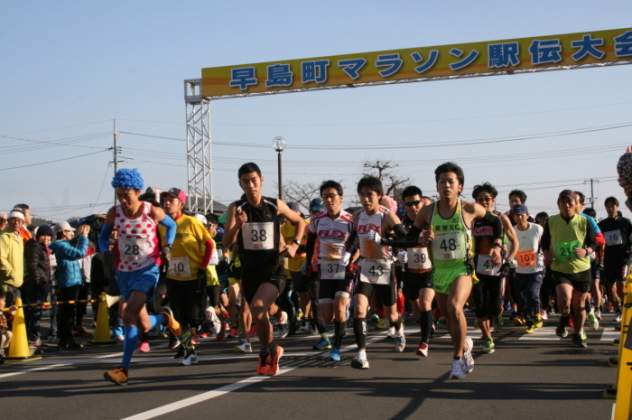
(451, 249)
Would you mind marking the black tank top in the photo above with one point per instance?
(258, 239)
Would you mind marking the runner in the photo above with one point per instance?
(254, 224)
(530, 269)
(137, 257)
(372, 223)
(617, 231)
(191, 253)
(449, 221)
(488, 291)
(417, 269)
(567, 242)
(331, 235)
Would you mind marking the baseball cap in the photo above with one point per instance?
(316, 204)
(177, 193)
(294, 206)
(568, 194)
(520, 209)
(222, 218)
(201, 218)
(63, 226)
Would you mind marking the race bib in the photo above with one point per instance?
(132, 249)
(331, 270)
(613, 237)
(485, 266)
(258, 236)
(418, 259)
(526, 258)
(448, 246)
(375, 271)
(565, 251)
(179, 267)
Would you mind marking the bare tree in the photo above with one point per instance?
(301, 193)
(386, 172)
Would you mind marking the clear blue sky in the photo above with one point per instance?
(69, 68)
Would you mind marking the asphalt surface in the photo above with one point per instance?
(539, 376)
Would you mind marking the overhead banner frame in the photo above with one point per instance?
(478, 59)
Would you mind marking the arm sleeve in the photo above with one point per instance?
(104, 237)
(352, 242)
(590, 241)
(496, 223)
(171, 226)
(208, 253)
(409, 240)
(309, 247)
(546, 238)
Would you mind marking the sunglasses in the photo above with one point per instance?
(484, 198)
(326, 196)
(412, 203)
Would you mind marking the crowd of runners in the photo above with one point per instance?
(265, 270)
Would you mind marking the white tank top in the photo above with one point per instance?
(137, 244)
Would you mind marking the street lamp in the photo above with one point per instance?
(278, 144)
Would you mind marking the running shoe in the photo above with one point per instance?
(334, 354)
(359, 362)
(282, 327)
(190, 358)
(544, 315)
(489, 347)
(391, 332)
(244, 346)
(172, 324)
(598, 314)
(571, 321)
(81, 332)
(561, 331)
(617, 317)
(594, 322)
(530, 329)
(518, 321)
(211, 317)
(306, 327)
(274, 361)
(323, 344)
(144, 347)
(174, 342)
(70, 345)
(180, 353)
(468, 360)
(498, 323)
(263, 364)
(117, 376)
(400, 340)
(578, 341)
(253, 331)
(458, 371)
(583, 336)
(422, 350)
(233, 333)
(538, 321)
(513, 315)
(381, 324)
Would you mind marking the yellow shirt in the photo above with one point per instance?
(187, 250)
(288, 231)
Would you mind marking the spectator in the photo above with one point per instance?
(38, 280)
(3, 221)
(69, 278)
(25, 234)
(5, 333)
(12, 258)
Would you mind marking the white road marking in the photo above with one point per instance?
(7, 375)
(609, 334)
(544, 333)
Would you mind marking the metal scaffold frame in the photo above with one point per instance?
(199, 153)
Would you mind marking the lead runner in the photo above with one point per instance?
(253, 223)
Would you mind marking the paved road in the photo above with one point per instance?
(528, 377)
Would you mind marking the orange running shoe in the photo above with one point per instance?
(263, 364)
(117, 376)
(274, 361)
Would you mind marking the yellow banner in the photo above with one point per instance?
(598, 47)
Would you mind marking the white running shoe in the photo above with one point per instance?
(359, 362)
(243, 347)
(468, 360)
(422, 350)
(189, 359)
(400, 340)
(282, 327)
(457, 371)
(213, 319)
(391, 332)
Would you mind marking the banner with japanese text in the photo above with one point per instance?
(523, 54)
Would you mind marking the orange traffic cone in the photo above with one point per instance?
(19, 347)
(102, 331)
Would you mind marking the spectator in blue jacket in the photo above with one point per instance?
(69, 278)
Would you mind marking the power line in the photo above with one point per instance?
(52, 161)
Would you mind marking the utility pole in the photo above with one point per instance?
(116, 150)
